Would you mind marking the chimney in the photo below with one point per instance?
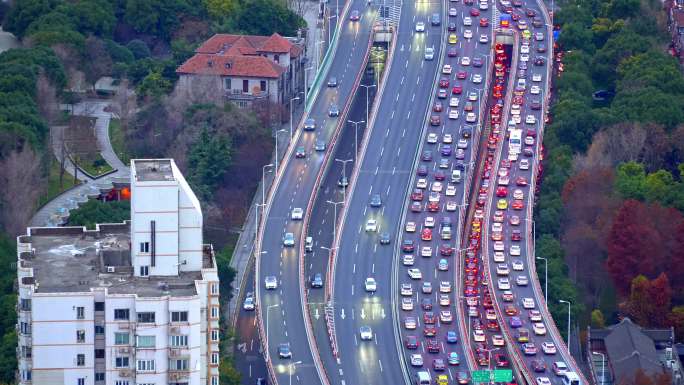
(210, 63)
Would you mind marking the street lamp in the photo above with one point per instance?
(367, 91)
(292, 100)
(567, 302)
(256, 220)
(489, 361)
(306, 83)
(318, 53)
(263, 183)
(330, 17)
(344, 176)
(335, 220)
(290, 367)
(603, 366)
(356, 135)
(546, 279)
(268, 308)
(276, 147)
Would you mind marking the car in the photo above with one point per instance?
(543, 381)
(445, 317)
(411, 342)
(438, 365)
(445, 287)
(518, 265)
(370, 285)
(467, 34)
(467, 21)
(529, 141)
(429, 53)
(474, 12)
(300, 152)
(530, 119)
(503, 284)
(507, 296)
(559, 368)
(524, 48)
(538, 36)
(514, 250)
(462, 378)
(499, 246)
(524, 57)
(472, 96)
(343, 182)
(384, 238)
(408, 260)
(537, 22)
(416, 360)
(548, 347)
(514, 220)
(446, 69)
(538, 366)
(518, 194)
(498, 340)
(453, 12)
(407, 304)
(484, 22)
(462, 144)
(465, 61)
(453, 358)
(536, 77)
(539, 61)
(471, 117)
(372, 225)
(410, 323)
(479, 336)
(426, 288)
(354, 15)
(288, 240)
(442, 94)
(539, 328)
(376, 200)
(478, 62)
(510, 310)
(452, 52)
(320, 145)
(435, 20)
(333, 111)
(502, 269)
(410, 227)
(317, 281)
(535, 90)
(451, 27)
(407, 246)
(433, 346)
(436, 187)
(297, 213)
(501, 361)
(249, 303)
(443, 265)
(332, 82)
(477, 78)
(528, 303)
(271, 282)
(415, 273)
(522, 25)
(534, 315)
(484, 39)
(521, 280)
(420, 26)
(529, 349)
(524, 164)
(284, 350)
(429, 318)
(444, 300)
(521, 181)
(490, 314)
(502, 204)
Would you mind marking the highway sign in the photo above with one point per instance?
(499, 375)
(503, 375)
(480, 376)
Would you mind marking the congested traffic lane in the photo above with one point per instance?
(431, 223)
(278, 284)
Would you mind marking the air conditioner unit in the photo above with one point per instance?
(668, 353)
(125, 350)
(125, 373)
(175, 329)
(111, 269)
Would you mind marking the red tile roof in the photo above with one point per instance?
(233, 65)
(220, 43)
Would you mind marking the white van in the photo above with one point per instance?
(456, 176)
(571, 378)
(423, 378)
(308, 244)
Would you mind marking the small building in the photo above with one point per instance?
(248, 68)
(126, 303)
(617, 352)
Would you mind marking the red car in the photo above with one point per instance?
(435, 120)
(501, 191)
(430, 331)
(411, 342)
(437, 107)
(440, 175)
(516, 235)
(457, 90)
(493, 325)
(446, 250)
(517, 204)
(426, 235)
(429, 318)
(515, 16)
(417, 195)
(500, 360)
(461, 75)
(433, 207)
(433, 346)
(444, 83)
(474, 12)
(521, 181)
(416, 207)
(484, 22)
(470, 291)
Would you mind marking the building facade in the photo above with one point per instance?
(124, 304)
(248, 68)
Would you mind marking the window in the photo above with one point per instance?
(214, 288)
(25, 328)
(80, 360)
(121, 362)
(179, 316)
(80, 312)
(144, 271)
(25, 304)
(276, 58)
(214, 358)
(121, 339)
(121, 314)
(121, 382)
(99, 306)
(262, 85)
(146, 317)
(26, 351)
(99, 329)
(80, 336)
(179, 340)
(26, 375)
(214, 312)
(145, 341)
(99, 353)
(214, 335)
(227, 84)
(245, 85)
(81, 381)
(144, 247)
(99, 376)
(179, 365)
(145, 365)
(214, 381)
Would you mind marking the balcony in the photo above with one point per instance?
(245, 96)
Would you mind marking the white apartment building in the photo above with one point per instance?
(132, 303)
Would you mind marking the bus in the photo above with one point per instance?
(515, 141)
(505, 21)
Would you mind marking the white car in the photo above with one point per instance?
(450, 190)
(408, 260)
(416, 360)
(498, 340)
(515, 250)
(528, 303)
(415, 274)
(548, 347)
(421, 183)
(429, 222)
(471, 117)
(444, 300)
(524, 48)
(462, 144)
(536, 78)
(407, 304)
(479, 336)
(465, 61)
(288, 240)
(524, 57)
(472, 96)
(453, 113)
(410, 227)
(504, 284)
(453, 102)
(521, 280)
(499, 257)
(530, 119)
(420, 26)
(467, 34)
(445, 287)
(473, 311)
(426, 251)
(467, 21)
(372, 225)
(524, 164)
(499, 246)
(543, 381)
(539, 328)
(432, 138)
(406, 289)
(446, 69)
(434, 197)
(535, 90)
(518, 266)
(484, 6)
(477, 78)
(271, 282)
(436, 187)
(451, 206)
(516, 119)
(529, 141)
(518, 194)
(502, 269)
(484, 39)
(371, 285)
(535, 315)
(497, 226)
(297, 213)
(515, 109)
(366, 333)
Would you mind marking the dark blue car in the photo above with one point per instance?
(451, 337)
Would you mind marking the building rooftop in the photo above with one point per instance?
(222, 44)
(231, 65)
(73, 259)
(153, 170)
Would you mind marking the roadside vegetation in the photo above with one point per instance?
(609, 215)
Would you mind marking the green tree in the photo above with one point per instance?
(220, 9)
(138, 48)
(96, 211)
(154, 85)
(264, 17)
(24, 12)
(228, 375)
(208, 161)
(658, 185)
(155, 17)
(597, 319)
(629, 180)
(622, 9)
(91, 16)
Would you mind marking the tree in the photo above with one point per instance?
(124, 104)
(264, 17)
(96, 211)
(597, 319)
(629, 180)
(138, 48)
(99, 61)
(20, 187)
(649, 301)
(91, 16)
(208, 161)
(24, 12)
(219, 9)
(227, 373)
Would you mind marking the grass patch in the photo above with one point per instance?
(54, 187)
(118, 140)
(95, 167)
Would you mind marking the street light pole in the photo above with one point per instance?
(344, 176)
(367, 91)
(268, 308)
(256, 220)
(277, 155)
(356, 135)
(292, 100)
(546, 280)
(603, 366)
(263, 183)
(567, 302)
(289, 370)
(335, 220)
(306, 84)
